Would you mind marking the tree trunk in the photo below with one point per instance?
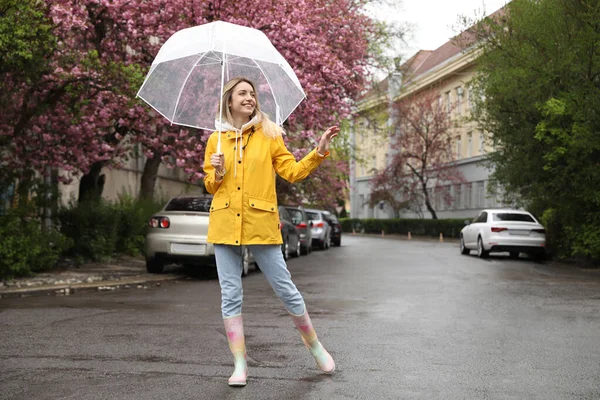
(427, 202)
(91, 184)
(149, 176)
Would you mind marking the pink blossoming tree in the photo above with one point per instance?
(81, 114)
(422, 158)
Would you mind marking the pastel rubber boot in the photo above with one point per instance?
(309, 337)
(234, 328)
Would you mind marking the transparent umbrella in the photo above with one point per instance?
(185, 81)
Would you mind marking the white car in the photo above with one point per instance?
(177, 234)
(504, 230)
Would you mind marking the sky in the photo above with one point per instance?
(433, 22)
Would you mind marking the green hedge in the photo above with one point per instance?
(419, 227)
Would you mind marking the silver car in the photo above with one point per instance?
(320, 228)
(177, 235)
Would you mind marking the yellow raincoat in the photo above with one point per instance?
(244, 207)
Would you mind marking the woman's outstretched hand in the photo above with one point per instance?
(329, 134)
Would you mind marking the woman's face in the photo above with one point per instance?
(243, 100)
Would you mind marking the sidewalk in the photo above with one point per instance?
(121, 273)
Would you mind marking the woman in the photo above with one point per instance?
(244, 212)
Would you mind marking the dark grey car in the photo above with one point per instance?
(300, 219)
(290, 235)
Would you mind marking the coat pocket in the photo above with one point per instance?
(219, 203)
(262, 205)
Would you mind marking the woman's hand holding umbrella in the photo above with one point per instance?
(217, 160)
(329, 134)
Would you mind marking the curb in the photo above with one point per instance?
(394, 236)
(67, 290)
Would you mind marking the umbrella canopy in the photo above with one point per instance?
(186, 79)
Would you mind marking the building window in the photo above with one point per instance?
(440, 102)
(468, 195)
(459, 98)
(458, 146)
(470, 98)
(361, 205)
(448, 101)
(458, 197)
(480, 194)
(481, 143)
(438, 198)
(469, 144)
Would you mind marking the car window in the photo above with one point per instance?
(313, 216)
(283, 214)
(296, 216)
(199, 204)
(512, 217)
(483, 217)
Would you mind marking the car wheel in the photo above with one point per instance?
(298, 249)
(322, 244)
(463, 248)
(481, 251)
(337, 242)
(304, 249)
(245, 261)
(285, 249)
(154, 265)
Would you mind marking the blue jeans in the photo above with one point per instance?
(271, 262)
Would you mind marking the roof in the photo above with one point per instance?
(426, 60)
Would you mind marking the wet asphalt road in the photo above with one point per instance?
(403, 320)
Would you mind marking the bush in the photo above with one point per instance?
(420, 227)
(100, 230)
(93, 228)
(134, 216)
(26, 248)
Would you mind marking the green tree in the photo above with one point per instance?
(539, 96)
(26, 41)
(25, 38)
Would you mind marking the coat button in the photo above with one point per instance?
(239, 188)
(236, 241)
(212, 208)
(238, 215)
(251, 205)
(239, 162)
(226, 204)
(272, 208)
(234, 147)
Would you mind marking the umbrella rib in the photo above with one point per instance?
(270, 85)
(183, 86)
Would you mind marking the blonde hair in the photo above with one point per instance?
(269, 128)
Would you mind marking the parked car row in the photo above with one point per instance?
(178, 234)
